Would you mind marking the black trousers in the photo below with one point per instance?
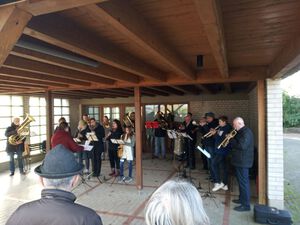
(96, 161)
(114, 159)
(190, 153)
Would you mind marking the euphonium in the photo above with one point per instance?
(226, 140)
(127, 121)
(22, 131)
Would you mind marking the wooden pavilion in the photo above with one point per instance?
(86, 49)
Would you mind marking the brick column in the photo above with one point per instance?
(275, 181)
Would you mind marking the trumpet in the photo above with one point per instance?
(226, 140)
(210, 133)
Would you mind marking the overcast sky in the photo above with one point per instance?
(291, 84)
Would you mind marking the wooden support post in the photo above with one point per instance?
(49, 119)
(261, 102)
(138, 137)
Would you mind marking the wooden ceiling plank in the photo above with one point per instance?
(12, 23)
(210, 15)
(287, 59)
(65, 34)
(173, 90)
(102, 70)
(205, 89)
(19, 72)
(159, 91)
(26, 81)
(34, 66)
(37, 8)
(150, 90)
(130, 23)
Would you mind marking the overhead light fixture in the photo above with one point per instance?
(56, 53)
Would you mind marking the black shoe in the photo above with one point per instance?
(11, 174)
(242, 208)
(236, 201)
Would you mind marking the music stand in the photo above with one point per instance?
(208, 193)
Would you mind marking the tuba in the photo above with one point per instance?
(22, 131)
(127, 121)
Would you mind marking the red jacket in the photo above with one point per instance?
(64, 138)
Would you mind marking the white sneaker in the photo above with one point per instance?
(218, 187)
(225, 188)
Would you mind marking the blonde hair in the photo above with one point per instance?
(176, 203)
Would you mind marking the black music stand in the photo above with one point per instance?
(208, 193)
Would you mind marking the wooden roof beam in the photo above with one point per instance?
(12, 23)
(163, 90)
(173, 90)
(193, 91)
(120, 15)
(210, 15)
(150, 90)
(287, 59)
(34, 66)
(37, 8)
(62, 32)
(102, 70)
(19, 73)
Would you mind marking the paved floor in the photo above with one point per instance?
(123, 203)
(291, 145)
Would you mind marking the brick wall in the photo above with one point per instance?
(275, 181)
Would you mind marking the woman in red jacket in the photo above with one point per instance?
(62, 136)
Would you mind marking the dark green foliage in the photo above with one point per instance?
(291, 111)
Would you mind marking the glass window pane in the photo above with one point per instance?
(96, 117)
(42, 120)
(57, 102)
(56, 118)
(43, 138)
(43, 130)
(2, 135)
(34, 131)
(34, 139)
(67, 118)
(34, 101)
(180, 110)
(5, 111)
(17, 100)
(90, 110)
(43, 111)
(4, 100)
(65, 110)
(129, 109)
(42, 102)
(34, 110)
(106, 110)
(57, 110)
(96, 110)
(5, 122)
(65, 102)
(3, 145)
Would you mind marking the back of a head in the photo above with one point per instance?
(63, 126)
(176, 203)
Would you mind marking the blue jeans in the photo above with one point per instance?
(160, 146)
(122, 167)
(242, 175)
(19, 153)
(218, 166)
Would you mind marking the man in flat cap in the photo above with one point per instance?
(58, 174)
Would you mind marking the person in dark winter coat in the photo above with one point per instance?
(242, 159)
(59, 174)
(14, 149)
(98, 148)
(115, 133)
(62, 136)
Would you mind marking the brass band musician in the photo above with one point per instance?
(160, 135)
(14, 149)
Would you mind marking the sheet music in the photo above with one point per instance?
(117, 141)
(77, 140)
(206, 153)
(87, 146)
(91, 136)
(172, 134)
(185, 135)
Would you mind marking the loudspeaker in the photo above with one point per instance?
(199, 61)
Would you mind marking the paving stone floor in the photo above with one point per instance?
(122, 203)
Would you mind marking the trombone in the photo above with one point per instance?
(226, 140)
(210, 133)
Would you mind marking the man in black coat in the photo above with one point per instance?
(14, 149)
(242, 159)
(59, 175)
(98, 148)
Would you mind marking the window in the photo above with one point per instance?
(151, 110)
(179, 111)
(61, 109)
(93, 112)
(37, 109)
(10, 106)
(112, 112)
